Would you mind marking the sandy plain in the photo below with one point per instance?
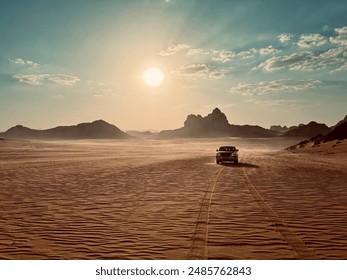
(169, 200)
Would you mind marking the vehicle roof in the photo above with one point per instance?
(227, 147)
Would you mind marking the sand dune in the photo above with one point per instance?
(169, 200)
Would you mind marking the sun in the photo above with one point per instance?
(153, 77)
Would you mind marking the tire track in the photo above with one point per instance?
(198, 247)
(290, 237)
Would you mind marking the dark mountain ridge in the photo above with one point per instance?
(338, 133)
(95, 130)
(215, 125)
(279, 128)
(309, 130)
(340, 122)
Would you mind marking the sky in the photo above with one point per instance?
(267, 63)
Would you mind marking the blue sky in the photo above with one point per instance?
(261, 62)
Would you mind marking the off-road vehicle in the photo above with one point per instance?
(227, 153)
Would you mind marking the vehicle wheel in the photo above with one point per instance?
(217, 161)
(236, 161)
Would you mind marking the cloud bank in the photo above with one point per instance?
(284, 38)
(312, 40)
(276, 86)
(310, 52)
(20, 61)
(174, 49)
(41, 79)
(334, 59)
(199, 71)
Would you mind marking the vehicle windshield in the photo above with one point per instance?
(227, 149)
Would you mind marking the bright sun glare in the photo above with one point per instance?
(153, 77)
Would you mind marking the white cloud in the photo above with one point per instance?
(326, 28)
(291, 61)
(20, 61)
(341, 38)
(32, 79)
(40, 79)
(217, 74)
(341, 31)
(63, 79)
(247, 54)
(284, 38)
(223, 56)
(192, 70)
(305, 58)
(311, 40)
(307, 61)
(276, 86)
(194, 52)
(17, 61)
(199, 71)
(342, 68)
(275, 102)
(174, 49)
(227, 55)
(268, 50)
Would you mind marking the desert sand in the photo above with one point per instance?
(169, 200)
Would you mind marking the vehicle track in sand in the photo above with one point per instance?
(199, 241)
(198, 247)
(290, 237)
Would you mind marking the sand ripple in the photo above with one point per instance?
(168, 200)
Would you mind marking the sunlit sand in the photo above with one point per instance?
(169, 200)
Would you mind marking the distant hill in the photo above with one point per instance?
(141, 134)
(340, 122)
(20, 132)
(279, 128)
(94, 130)
(309, 130)
(338, 133)
(295, 126)
(214, 125)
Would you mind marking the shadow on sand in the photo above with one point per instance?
(240, 164)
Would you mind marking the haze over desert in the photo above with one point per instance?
(168, 199)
